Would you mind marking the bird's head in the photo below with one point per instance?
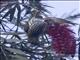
(51, 21)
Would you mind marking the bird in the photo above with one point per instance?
(55, 20)
(36, 28)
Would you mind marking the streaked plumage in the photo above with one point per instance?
(36, 28)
